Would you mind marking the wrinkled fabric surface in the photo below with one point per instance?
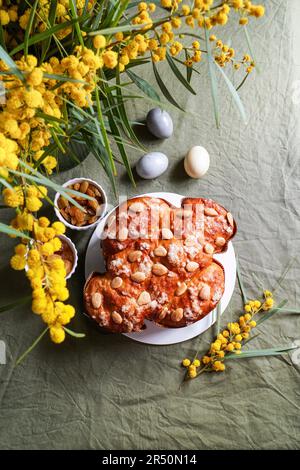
(110, 392)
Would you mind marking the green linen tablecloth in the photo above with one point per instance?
(106, 392)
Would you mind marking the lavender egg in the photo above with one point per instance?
(152, 165)
(159, 123)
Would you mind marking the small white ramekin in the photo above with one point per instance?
(74, 251)
(74, 181)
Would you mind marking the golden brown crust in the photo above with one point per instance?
(112, 300)
(135, 219)
(211, 279)
(217, 222)
(160, 269)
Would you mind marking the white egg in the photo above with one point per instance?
(196, 162)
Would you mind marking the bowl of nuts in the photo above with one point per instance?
(92, 209)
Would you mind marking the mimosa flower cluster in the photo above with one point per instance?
(37, 256)
(14, 12)
(45, 271)
(24, 134)
(230, 340)
(156, 37)
(160, 38)
(20, 114)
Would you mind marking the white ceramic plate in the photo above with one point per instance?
(155, 334)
